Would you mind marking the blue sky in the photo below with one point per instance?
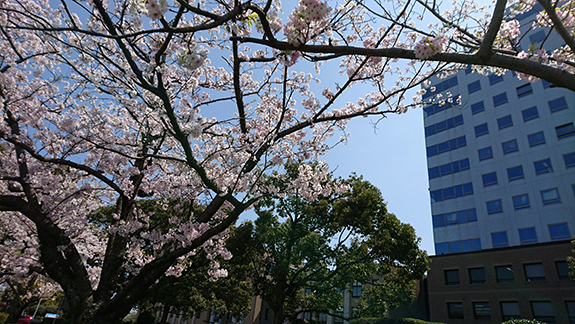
(392, 157)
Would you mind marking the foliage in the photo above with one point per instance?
(522, 321)
(113, 103)
(310, 248)
(3, 317)
(390, 320)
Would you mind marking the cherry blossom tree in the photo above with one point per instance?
(106, 104)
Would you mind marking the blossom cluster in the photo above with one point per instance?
(509, 29)
(306, 20)
(427, 47)
(190, 60)
(153, 9)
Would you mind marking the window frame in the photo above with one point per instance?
(481, 130)
(491, 211)
(513, 173)
(494, 79)
(500, 276)
(477, 276)
(490, 179)
(547, 202)
(565, 131)
(520, 205)
(524, 90)
(562, 267)
(499, 243)
(562, 230)
(530, 235)
(356, 289)
(486, 157)
(507, 317)
(557, 104)
(455, 314)
(542, 317)
(473, 87)
(543, 166)
(447, 277)
(500, 99)
(529, 111)
(511, 150)
(505, 122)
(569, 160)
(486, 308)
(477, 107)
(537, 267)
(536, 142)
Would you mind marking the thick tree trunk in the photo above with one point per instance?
(14, 312)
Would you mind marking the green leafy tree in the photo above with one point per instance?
(310, 248)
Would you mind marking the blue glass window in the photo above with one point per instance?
(451, 219)
(494, 207)
(505, 122)
(550, 197)
(536, 139)
(527, 235)
(521, 202)
(510, 146)
(444, 125)
(565, 131)
(537, 38)
(457, 191)
(499, 239)
(477, 107)
(471, 215)
(485, 153)
(473, 87)
(455, 218)
(559, 232)
(449, 168)
(441, 248)
(438, 220)
(543, 166)
(569, 159)
(475, 244)
(546, 84)
(454, 246)
(494, 78)
(530, 114)
(500, 99)
(524, 90)
(481, 130)
(489, 179)
(515, 173)
(447, 146)
(558, 104)
(441, 86)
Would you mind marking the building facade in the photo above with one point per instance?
(501, 166)
(495, 285)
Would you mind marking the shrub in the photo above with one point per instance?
(390, 320)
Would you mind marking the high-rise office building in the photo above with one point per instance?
(502, 185)
(501, 164)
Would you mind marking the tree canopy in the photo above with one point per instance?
(109, 103)
(311, 251)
